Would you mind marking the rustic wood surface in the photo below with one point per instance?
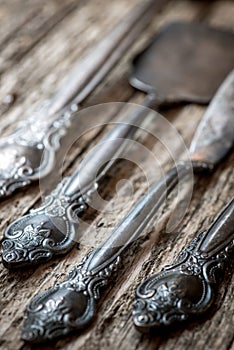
(39, 43)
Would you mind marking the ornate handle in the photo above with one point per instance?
(53, 228)
(186, 288)
(71, 304)
(21, 160)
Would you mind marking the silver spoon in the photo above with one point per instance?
(71, 305)
(52, 228)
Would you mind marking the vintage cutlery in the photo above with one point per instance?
(29, 152)
(186, 289)
(51, 229)
(71, 305)
(21, 159)
(188, 295)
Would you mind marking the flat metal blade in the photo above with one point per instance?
(215, 134)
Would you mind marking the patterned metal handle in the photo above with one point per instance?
(71, 305)
(186, 288)
(29, 152)
(53, 228)
(179, 291)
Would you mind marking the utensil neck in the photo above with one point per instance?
(134, 223)
(106, 152)
(221, 232)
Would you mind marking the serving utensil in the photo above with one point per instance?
(29, 152)
(189, 283)
(186, 289)
(51, 229)
(71, 305)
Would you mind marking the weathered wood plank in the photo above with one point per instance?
(13, 18)
(37, 76)
(32, 31)
(113, 327)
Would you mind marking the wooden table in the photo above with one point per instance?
(40, 41)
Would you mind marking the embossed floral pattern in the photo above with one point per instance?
(25, 245)
(32, 235)
(193, 266)
(180, 290)
(68, 305)
(165, 295)
(58, 208)
(53, 310)
(34, 135)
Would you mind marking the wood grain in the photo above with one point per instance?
(40, 42)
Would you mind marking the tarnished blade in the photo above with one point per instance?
(185, 62)
(215, 134)
(53, 228)
(72, 304)
(177, 66)
(31, 151)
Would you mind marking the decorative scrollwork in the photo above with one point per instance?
(21, 159)
(46, 231)
(68, 306)
(180, 290)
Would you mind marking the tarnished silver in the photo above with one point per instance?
(17, 250)
(186, 289)
(29, 152)
(215, 134)
(71, 305)
(21, 160)
(53, 228)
